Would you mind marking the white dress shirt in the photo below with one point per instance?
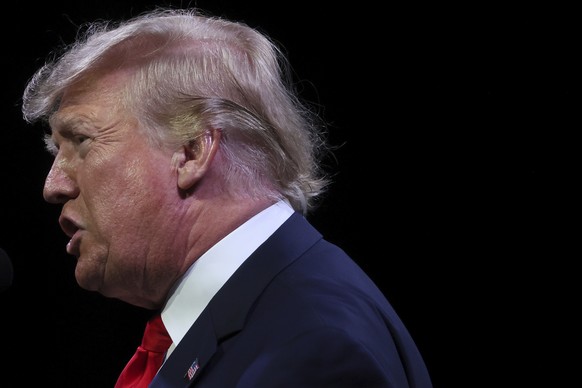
(209, 273)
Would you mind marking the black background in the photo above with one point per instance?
(454, 184)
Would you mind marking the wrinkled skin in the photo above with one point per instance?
(121, 203)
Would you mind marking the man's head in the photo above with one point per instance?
(168, 131)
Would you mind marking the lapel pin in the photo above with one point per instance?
(192, 370)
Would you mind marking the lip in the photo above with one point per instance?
(74, 244)
(68, 225)
(72, 229)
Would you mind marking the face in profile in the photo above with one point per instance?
(118, 191)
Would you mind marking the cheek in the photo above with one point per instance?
(141, 186)
(125, 195)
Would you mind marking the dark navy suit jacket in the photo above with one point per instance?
(297, 313)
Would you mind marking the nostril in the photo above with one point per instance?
(55, 197)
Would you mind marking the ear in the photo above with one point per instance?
(193, 160)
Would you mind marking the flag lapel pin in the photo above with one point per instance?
(192, 370)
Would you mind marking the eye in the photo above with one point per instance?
(80, 139)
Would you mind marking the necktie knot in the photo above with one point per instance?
(156, 337)
(148, 358)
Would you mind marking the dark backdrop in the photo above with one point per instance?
(454, 181)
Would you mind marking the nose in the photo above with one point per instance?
(60, 185)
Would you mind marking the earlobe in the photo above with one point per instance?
(193, 160)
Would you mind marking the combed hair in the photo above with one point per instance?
(192, 72)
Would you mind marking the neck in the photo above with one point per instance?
(212, 222)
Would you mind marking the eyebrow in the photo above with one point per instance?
(49, 144)
(64, 123)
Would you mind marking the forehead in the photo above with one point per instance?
(91, 101)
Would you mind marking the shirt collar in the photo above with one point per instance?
(209, 273)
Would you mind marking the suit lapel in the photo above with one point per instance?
(231, 304)
(191, 354)
(227, 311)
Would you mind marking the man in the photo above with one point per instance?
(185, 166)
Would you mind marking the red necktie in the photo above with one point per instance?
(148, 358)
